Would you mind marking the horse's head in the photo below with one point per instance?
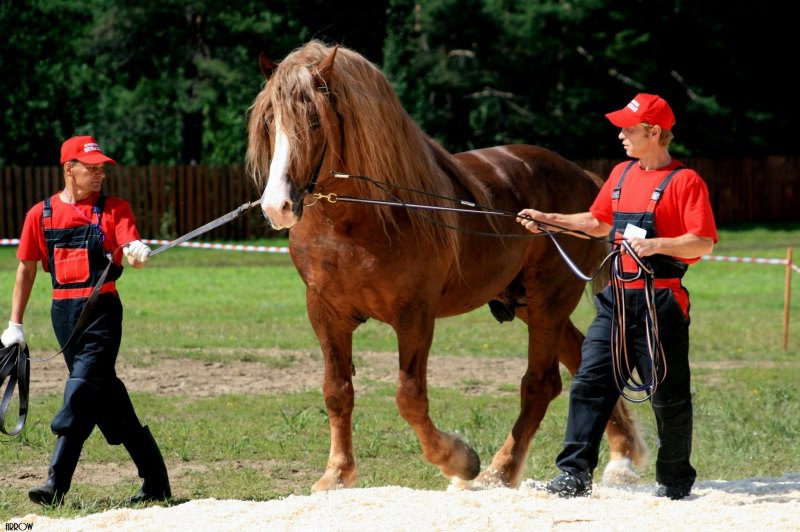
(290, 128)
(329, 108)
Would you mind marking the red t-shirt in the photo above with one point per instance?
(116, 222)
(684, 206)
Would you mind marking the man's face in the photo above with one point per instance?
(87, 178)
(638, 140)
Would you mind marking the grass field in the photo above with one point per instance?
(187, 303)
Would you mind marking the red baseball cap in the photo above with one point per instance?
(649, 108)
(85, 149)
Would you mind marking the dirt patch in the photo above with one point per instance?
(276, 371)
(267, 371)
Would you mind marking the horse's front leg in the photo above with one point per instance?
(336, 340)
(449, 453)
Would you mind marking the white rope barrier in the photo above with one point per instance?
(752, 260)
(225, 247)
(283, 249)
(198, 245)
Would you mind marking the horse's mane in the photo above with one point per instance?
(379, 138)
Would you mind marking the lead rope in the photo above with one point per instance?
(624, 377)
(90, 301)
(14, 366)
(467, 207)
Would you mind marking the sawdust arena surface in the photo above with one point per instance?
(762, 504)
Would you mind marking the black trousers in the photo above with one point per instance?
(93, 394)
(594, 393)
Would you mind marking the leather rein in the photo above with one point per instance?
(624, 380)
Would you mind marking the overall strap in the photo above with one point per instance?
(618, 189)
(47, 211)
(99, 205)
(47, 214)
(656, 195)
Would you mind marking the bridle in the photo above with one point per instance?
(297, 197)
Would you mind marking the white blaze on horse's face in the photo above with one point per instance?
(276, 202)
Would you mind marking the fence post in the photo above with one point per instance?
(786, 298)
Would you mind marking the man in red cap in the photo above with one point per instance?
(658, 214)
(77, 234)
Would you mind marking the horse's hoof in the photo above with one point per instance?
(331, 482)
(472, 462)
(324, 484)
(463, 462)
(490, 479)
(620, 471)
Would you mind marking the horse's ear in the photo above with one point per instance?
(266, 65)
(324, 72)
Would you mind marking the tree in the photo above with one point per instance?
(41, 83)
(545, 72)
(172, 81)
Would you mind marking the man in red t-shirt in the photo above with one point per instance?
(659, 215)
(77, 235)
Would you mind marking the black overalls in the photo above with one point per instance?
(93, 394)
(594, 393)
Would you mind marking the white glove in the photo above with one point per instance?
(15, 334)
(138, 250)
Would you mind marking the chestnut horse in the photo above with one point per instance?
(327, 110)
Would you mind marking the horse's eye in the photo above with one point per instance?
(315, 124)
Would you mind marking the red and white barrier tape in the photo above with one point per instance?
(226, 247)
(282, 249)
(751, 260)
(199, 245)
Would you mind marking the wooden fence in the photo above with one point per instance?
(169, 201)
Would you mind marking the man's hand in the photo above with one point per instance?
(526, 218)
(643, 247)
(14, 334)
(137, 252)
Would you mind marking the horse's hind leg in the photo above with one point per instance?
(539, 386)
(626, 446)
(453, 457)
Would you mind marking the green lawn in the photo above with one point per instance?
(188, 302)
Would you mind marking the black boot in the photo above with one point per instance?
(147, 457)
(59, 478)
(568, 485)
